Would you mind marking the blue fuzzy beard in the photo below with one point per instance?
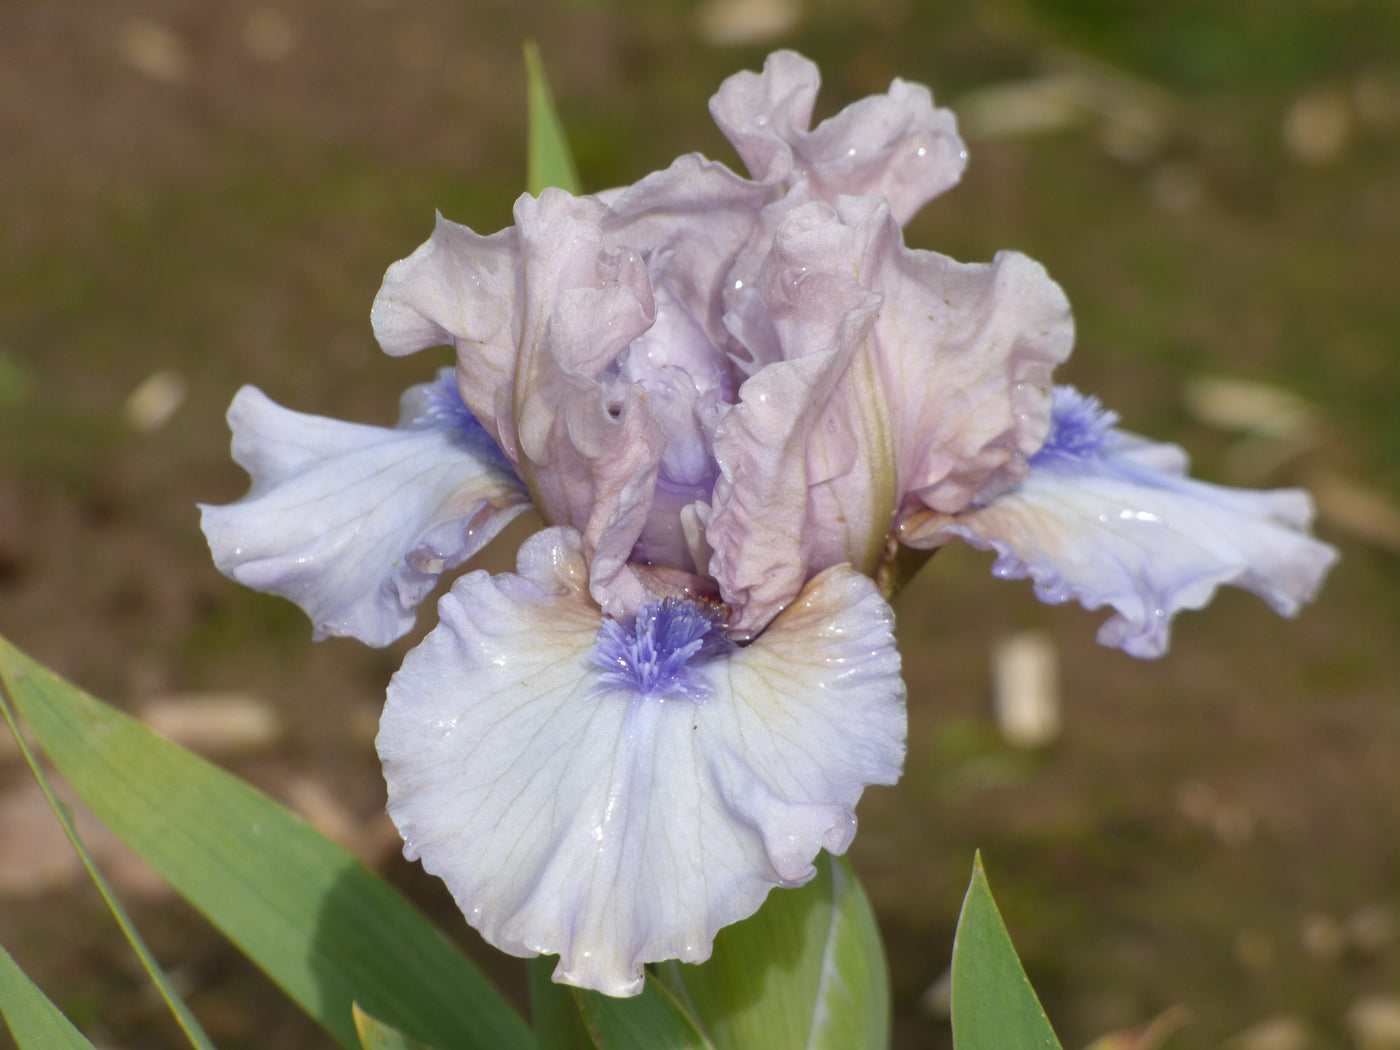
(656, 656)
(1079, 424)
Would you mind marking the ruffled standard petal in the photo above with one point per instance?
(617, 802)
(943, 387)
(964, 352)
(691, 220)
(1107, 518)
(799, 422)
(896, 145)
(356, 523)
(569, 300)
(458, 289)
(492, 298)
(589, 448)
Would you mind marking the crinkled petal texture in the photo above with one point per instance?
(896, 145)
(569, 815)
(544, 317)
(356, 523)
(1119, 524)
(892, 380)
(601, 339)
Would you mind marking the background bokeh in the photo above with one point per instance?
(194, 196)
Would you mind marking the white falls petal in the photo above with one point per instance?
(571, 815)
(1123, 527)
(356, 523)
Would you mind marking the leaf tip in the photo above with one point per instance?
(550, 162)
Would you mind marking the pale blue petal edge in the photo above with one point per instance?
(1124, 527)
(356, 523)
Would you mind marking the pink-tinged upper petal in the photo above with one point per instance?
(459, 289)
(356, 523)
(603, 341)
(588, 446)
(686, 225)
(964, 351)
(896, 145)
(792, 430)
(579, 333)
(943, 393)
(577, 803)
(692, 220)
(1108, 518)
(967, 352)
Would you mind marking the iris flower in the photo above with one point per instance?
(732, 400)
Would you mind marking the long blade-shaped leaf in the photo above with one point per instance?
(807, 972)
(550, 162)
(193, 1032)
(993, 1004)
(33, 1020)
(322, 927)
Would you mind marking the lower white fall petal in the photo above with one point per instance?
(618, 824)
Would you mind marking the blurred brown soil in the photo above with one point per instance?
(212, 193)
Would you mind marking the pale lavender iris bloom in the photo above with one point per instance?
(731, 400)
